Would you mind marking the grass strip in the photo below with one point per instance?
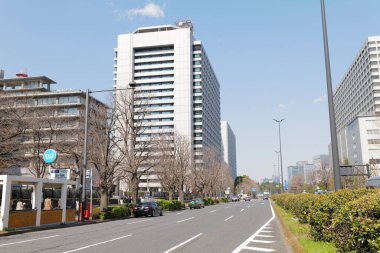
(298, 235)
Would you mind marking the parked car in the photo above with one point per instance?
(248, 198)
(235, 199)
(197, 203)
(147, 208)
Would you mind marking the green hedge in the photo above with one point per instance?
(349, 218)
(356, 226)
(224, 200)
(171, 205)
(113, 212)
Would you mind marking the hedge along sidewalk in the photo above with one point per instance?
(298, 235)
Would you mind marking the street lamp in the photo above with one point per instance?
(278, 165)
(279, 137)
(132, 86)
(334, 140)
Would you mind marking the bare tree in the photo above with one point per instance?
(174, 163)
(40, 134)
(103, 149)
(13, 126)
(135, 142)
(183, 162)
(165, 165)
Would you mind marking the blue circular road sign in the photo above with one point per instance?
(50, 156)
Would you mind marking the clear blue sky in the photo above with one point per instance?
(268, 56)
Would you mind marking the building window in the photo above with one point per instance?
(68, 100)
(373, 141)
(373, 131)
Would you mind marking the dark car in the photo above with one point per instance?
(197, 203)
(147, 208)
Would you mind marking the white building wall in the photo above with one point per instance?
(363, 136)
(229, 147)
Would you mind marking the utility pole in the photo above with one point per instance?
(334, 140)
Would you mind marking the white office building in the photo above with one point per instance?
(172, 68)
(358, 94)
(363, 140)
(229, 147)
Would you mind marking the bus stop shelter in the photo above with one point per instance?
(41, 211)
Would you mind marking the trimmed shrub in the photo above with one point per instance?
(96, 213)
(171, 205)
(321, 213)
(356, 226)
(224, 200)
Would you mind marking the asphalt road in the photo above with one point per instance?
(233, 227)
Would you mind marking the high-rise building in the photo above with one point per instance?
(229, 147)
(358, 93)
(172, 72)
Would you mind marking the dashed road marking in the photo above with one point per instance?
(185, 220)
(229, 218)
(41, 238)
(242, 210)
(137, 222)
(183, 243)
(92, 245)
(212, 211)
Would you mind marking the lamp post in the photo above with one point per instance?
(132, 86)
(278, 165)
(334, 140)
(279, 137)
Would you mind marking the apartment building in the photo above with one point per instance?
(54, 118)
(229, 147)
(172, 72)
(358, 93)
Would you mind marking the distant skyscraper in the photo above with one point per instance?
(174, 76)
(229, 147)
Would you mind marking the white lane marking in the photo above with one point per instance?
(185, 220)
(246, 242)
(249, 206)
(137, 222)
(261, 241)
(227, 206)
(92, 245)
(183, 243)
(180, 212)
(242, 210)
(266, 236)
(212, 211)
(2, 245)
(259, 249)
(265, 231)
(229, 218)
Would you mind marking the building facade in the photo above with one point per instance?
(55, 119)
(171, 71)
(229, 147)
(363, 140)
(358, 93)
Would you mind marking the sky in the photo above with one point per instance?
(267, 54)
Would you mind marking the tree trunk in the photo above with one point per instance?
(135, 189)
(103, 199)
(181, 194)
(170, 194)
